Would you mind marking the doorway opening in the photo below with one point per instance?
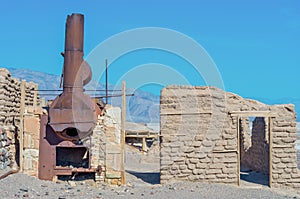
(254, 151)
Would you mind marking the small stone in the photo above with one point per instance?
(72, 183)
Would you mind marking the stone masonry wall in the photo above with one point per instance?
(200, 136)
(284, 165)
(31, 141)
(10, 98)
(105, 146)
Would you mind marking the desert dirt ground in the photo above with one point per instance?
(142, 181)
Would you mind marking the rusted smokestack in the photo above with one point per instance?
(72, 114)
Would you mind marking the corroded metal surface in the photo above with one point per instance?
(72, 114)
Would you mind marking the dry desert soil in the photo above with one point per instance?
(142, 181)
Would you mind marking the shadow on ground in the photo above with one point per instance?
(255, 177)
(148, 177)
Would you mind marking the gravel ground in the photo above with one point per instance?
(23, 186)
(142, 182)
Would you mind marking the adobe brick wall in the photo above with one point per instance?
(31, 143)
(200, 137)
(10, 94)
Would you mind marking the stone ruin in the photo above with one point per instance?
(206, 137)
(21, 111)
(14, 95)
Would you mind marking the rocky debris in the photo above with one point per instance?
(6, 156)
(137, 186)
(14, 187)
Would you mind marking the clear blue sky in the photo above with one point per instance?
(255, 44)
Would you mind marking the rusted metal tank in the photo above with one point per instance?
(72, 114)
(65, 132)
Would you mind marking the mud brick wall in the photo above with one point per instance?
(31, 143)
(105, 146)
(284, 158)
(6, 152)
(10, 99)
(200, 137)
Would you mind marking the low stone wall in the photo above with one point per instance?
(200, 129)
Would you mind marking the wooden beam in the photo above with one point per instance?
(35, 97)
(270, 152)
(252, 113)
(239, 150)
(21, 136)
(227, 151)
(123, 126)
(180, 113)
(143, 145)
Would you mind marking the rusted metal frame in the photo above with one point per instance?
(73, 102)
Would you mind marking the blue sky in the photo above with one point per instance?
(254, 44)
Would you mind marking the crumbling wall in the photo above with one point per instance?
(284, 158)
(245, 141)
(6, 150)
(31, 141)
(257, 156)
(199, 141)
(200, 130)
(105, 146)
(10, 103)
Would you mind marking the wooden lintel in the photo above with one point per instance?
(227, 151)
(180, 113)
(252, 113)
(142, 136)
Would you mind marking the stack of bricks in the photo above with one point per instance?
(200, 137)
(10, 111)
(6, 153)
